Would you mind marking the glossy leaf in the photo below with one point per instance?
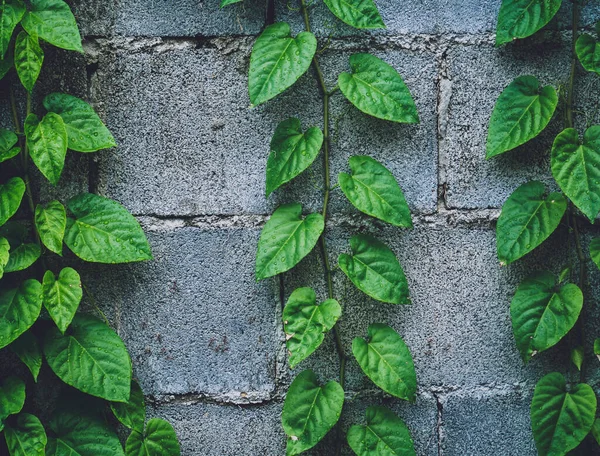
(374, 269)
(377, 89)
(360, 14)
(386, 360)
(21, 257)
(527, 219)
(521, 112)
(306, 322)
(28, 350)
(51, 222)
(53, 21)
(159, 439)
(286, 239)
(29, 58)
(543, 314)
(372, 189)
(588, 52)
(11, 194)
(90, 357)
(561, 418)
(278, 60)
(292, 152)
(12, 398)
(522, 18)
(310, 411)
(26, 437)
(47, 142)
(4, 254)
(11, 13)
(103, 231)
(131, 414)
(8, 141)
(62, 296)
(19, 309)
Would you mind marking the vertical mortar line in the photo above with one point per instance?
(442, 100)
(439, 423)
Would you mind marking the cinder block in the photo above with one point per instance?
(95, 17)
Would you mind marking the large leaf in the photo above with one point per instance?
(91, 358)
(11, 13)
(292, 151)
(386, 360)
(22, 256)
(374, 269)
(384, 434)
(62, 296)
(53, 21)
(527, 219)
(561, 418)
(11, 195)
(576, 168)
(360, 14)
(28, 350)
(85, 130)
(26, 437)
(19, 309)
(278, 60)
(543, 314)
(286, 239)
(8, 140)
(588, 52)
(132, 413)
(12, 398)
(29, 58)
(377, 89)
(522, 18)
(4, 255)
(521, 112)
(51, 222)
(372, 189)
(159, 439)
(306, 322)
(103, 231)
(310, 411)
(47, 142)
(595, 251)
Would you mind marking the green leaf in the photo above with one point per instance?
(543, 314)
(377, 89)
(12, 398)
(286, 239)
(228, 2)
(374, 269)
(90, 357)
(103, 231)
(4, 255)
(384, 434)
(360, 14)
(278, 61)
(588, 52)
(310, 411)
(158, 440)
(51, 222)
(372, 189)
(47, 142)
(19, 309)
(306, 322)
(11, 13)
(595, 251)
(291, 152)
(522, 18)
(561, 419)
(577, 356)
(85, 131)
(576, 168)
(386, 360)
(22, 256)
(28, 350)
(62, 296)
(27, 437)
(6, 65)
(132, 413)
(521, 112)
(526, 220)
(7, 142)
(11, 195)
(53, 21)
(596, 430)
(29, 58)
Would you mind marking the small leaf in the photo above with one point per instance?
(103, 231)
(28, 350)
(526, 220)
(22, 256)
(91, 358)
(51, 222)
(360, 14)
(27, 437)
(588, 52)
(386, 360)
(384, 434)
(597, 348)
(521, 112)
(561, 419)
(278, 61)
(11, 195)
(596, 430)
(291, 152)
(564, 274)
(377, 89)
(286, 239)
(306, 322)
(522, 18)
(29, 58)
(577, 356)
(19, 309)
(595, 251)
(8, 140)
(47, 142)
(310, 411)
(53, 21)
(132, 413)
(12, 398)
(374, 269)
(11, 13)
(85, 130)
(225, 3)
(62, 296)
(4, 255)
(372, 189)
(9, 154)
(159, 439)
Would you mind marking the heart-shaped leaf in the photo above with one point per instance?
(19, 309)
(292, 151)
(522, 18)
(374, 269)
(29, 58)
(386, 360)
(526, 220)
(588, 52)
(4, 255)
(53, 21)
(11, 13)
(47, 142)
(372, 189)
(561, 418)
(306, 322)
(377, 89)
(541, 314)
(26, 437)
(360, 14)
(62, 296)
(521, 112)
(278, 60)
(28, 350)
(8, 140)
(11, 195)
(310, 411)
(51, 222)
(22, 256)
(159, 439)
(12, 398)
(132, 413)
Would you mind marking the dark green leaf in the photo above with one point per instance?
(28, 350)
(596, 430)
(22, 256)
(19, 309)
(12, 398)
(8, 140)
(29, 58)
(62, 296)
(51, 222)
(11, 13)
(53, 21)
(132, 413)
(159, 439)
(577, 356)
(26, 437)
(4, 255)
(11, 195)
(588, 52)
(5, 66)
(360, 14)
(522, 18)
(47, 142)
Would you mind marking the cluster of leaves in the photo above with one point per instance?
(39, 305)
